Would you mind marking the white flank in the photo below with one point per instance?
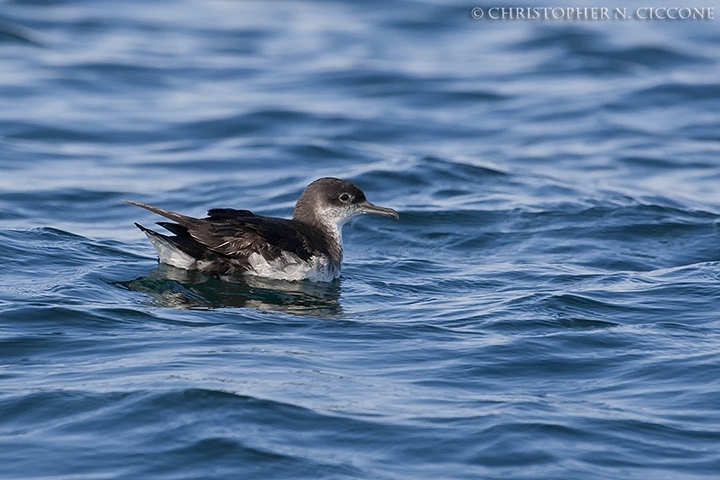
(290, 267)
(170, 255)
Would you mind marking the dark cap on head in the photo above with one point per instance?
(333, 200)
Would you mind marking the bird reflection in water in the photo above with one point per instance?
(178, 288)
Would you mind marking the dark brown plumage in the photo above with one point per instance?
(229, 242)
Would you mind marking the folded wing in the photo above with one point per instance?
(226, 238)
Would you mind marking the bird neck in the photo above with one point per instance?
(329, 230)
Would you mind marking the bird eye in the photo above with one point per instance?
(344, 197)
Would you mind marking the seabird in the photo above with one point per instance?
(230, 242)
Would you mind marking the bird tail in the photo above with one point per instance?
(168, 250)
(181, 219)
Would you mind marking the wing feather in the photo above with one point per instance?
(229, 236)
(242, 235)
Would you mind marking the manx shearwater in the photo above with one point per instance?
(231, 242)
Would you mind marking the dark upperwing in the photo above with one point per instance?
(236, 234)
(239, 233)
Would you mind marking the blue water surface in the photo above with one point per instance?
(546, 306)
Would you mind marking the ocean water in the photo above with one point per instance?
(547, 305)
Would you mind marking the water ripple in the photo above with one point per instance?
(543, 308)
